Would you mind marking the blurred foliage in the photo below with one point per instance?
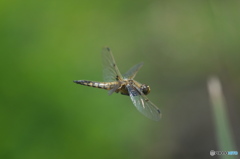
(45, 45)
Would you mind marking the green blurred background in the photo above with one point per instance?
(45, 45)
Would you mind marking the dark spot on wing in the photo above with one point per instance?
(117, 78)
(134, 93)
(108, 49)
(158, 111)
(146, 100)
(114, 64)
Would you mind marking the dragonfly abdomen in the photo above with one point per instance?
(102, 85)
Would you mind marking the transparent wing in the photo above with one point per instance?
(131, 73)
(110, 69)
(143, 104)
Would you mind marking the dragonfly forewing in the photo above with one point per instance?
(132, 72)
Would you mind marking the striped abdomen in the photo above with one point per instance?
(102, 85)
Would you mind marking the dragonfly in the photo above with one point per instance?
(125, 84)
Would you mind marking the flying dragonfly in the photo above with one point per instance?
(124, 84)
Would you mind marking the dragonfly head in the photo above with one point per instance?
(145, 89)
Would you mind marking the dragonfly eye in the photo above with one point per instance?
(145, 89)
